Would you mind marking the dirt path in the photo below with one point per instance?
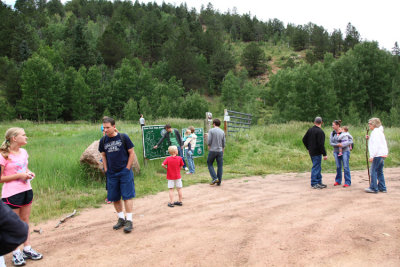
(273, 221)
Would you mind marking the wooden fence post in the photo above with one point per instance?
(225, 122)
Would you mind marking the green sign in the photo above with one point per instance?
(151, 135)
(199, 149)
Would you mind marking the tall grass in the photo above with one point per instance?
(62, 184)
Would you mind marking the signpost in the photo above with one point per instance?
(151, 135)
(198, 151)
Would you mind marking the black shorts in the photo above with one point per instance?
(19, 200)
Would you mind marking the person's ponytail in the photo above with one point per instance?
(5, 149)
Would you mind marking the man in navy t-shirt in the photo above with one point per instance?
(117, 155)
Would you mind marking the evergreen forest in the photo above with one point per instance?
(88, 58)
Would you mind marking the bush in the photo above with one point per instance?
(131, 110)
(7, 111)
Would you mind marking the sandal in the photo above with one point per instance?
(178, 203)
(170, 205)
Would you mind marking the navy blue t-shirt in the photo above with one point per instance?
(116, 154)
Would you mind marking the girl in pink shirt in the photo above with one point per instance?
(17, 191)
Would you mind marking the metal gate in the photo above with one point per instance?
(235, 121)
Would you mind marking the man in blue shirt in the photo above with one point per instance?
(117, 154)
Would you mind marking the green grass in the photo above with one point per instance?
(62, 184)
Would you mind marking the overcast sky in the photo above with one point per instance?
(376, 20)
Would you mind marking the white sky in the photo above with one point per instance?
(375, 20)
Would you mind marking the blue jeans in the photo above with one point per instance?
(342, 161)
(377, 174)
(316, 177)
(180, 154)
(190, 160)
(212, 156)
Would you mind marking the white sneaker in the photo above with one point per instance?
(31, 254)
(186, 169)
(2, 262)
(18, 259)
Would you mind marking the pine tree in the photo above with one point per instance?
(336, 43)
(254, 60)
(352, 37)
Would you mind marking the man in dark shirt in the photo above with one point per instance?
(314, 141)
(13, 231)
(117, 155)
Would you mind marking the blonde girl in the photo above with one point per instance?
(17, 191)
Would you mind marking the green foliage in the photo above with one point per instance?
(181, 57)
(364, 76)
(299, 38)
(359, 84)
(302, 93)
(336, 43)
(253, 59)
(146, 51)
(41, 91)
(80, 97)
(144, 108)
(112, 44)
(131, 110)
(221, 61)
(152, 34)
(106, 113)
(352, 37)
(289, 63)
(231, 90)
(55, 7)
(319, 41)
(8, 22)
(353, 116)
(81, 55)
(239, 94)
(394, 119)
(310, 57)
(194, 106)
(96, 81)
(7, 111)
(9, 75)
(130, 80)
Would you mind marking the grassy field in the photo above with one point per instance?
(62, 184)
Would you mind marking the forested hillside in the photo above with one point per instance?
(88, 58)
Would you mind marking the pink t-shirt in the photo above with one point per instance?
(174, 167)
(13, 165)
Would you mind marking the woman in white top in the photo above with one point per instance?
(378, 151)
(141, 121)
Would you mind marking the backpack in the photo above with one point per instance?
(352, 145)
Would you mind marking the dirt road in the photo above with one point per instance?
(277, 220)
